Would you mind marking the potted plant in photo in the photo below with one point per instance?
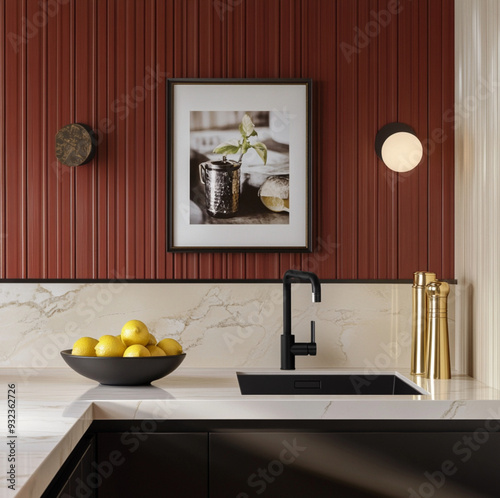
(222, 178)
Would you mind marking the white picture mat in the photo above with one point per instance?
(289, 99)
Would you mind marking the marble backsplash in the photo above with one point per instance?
(238, 325)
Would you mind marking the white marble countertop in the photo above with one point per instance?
(56, 406)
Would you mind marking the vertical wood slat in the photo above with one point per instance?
(422, 130)
(15, 141)
(62, 175)
(435, 211)
(2, 142)
(133, 196)
(108, 218)
(149, 141)
(409, 211)
(94, 125)
(100, 106)
(85, 176)
(347, 160)
(110, 136)
(387, 188)
(137, 154)
(120, 116)
(367, 128)
(447, 137)
(165, 23)
(51, 172)
(36, 162)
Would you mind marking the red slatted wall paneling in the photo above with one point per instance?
(82, 61)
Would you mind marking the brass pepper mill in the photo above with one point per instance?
(419, 320)
(437, 352)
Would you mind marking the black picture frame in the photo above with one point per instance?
(288, 99)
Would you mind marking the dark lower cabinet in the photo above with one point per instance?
(348, 459)
(74, 479)
(351, 465)
(153, 465)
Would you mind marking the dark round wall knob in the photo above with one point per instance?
(76, 144)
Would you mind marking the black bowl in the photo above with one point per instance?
(123, 371)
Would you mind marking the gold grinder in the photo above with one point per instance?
(419, 320)
(437, 351)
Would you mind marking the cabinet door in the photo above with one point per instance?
(296, 465)
(77, 484)
(72, 478)
(153, 464)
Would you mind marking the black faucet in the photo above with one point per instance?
(289, 348)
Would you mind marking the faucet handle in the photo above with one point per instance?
(311, 347)
(304, 348)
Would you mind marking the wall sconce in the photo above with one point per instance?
(398, 146)
(76, 144)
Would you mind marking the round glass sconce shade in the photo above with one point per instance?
(399, 147)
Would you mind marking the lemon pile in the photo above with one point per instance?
(135, 340)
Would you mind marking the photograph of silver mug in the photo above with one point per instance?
(222, 187)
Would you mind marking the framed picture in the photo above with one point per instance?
(239, 165)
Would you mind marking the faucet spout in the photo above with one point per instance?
(289, 349)
(304, 276)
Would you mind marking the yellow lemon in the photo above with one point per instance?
(156, 351)
(84, 347)
(106, 335)
(136, 350)
(109, 345)
(119, 336)
(170, 346)
(275, 203)
(274, 193)
(152, 340)
(135, 332)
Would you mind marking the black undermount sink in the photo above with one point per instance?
(326, 383)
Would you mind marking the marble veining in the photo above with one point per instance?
(453, 409)
(219, 325)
